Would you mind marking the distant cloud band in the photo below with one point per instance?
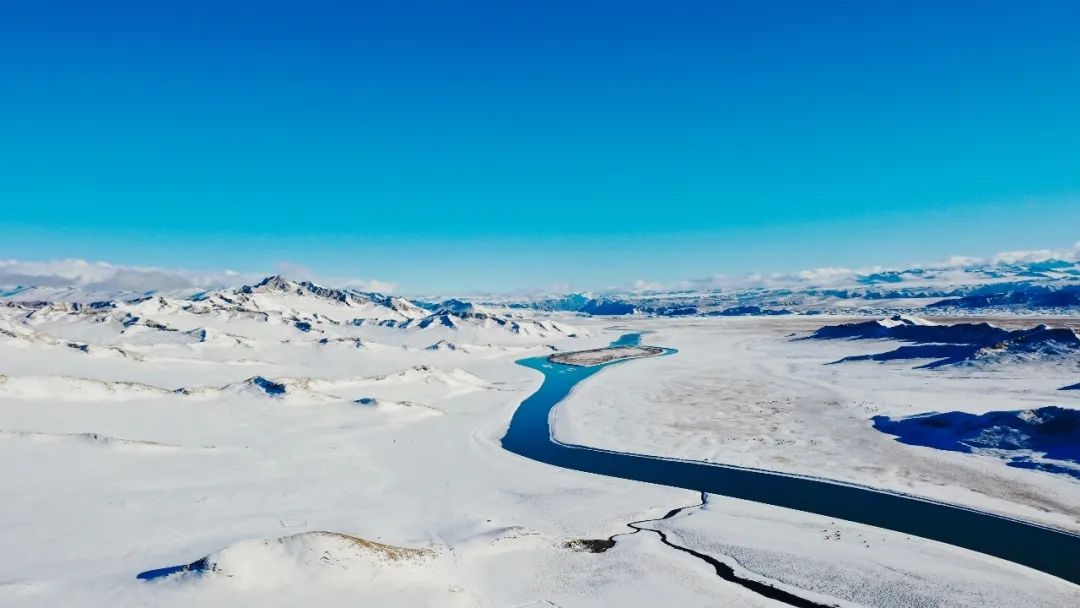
(105, 277)
(824, 277)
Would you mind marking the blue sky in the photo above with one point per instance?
(505, 145)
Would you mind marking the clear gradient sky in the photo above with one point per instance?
(515, 144)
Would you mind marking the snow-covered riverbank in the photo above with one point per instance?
(600, 356)
(741, 391)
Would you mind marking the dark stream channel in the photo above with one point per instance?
(1051, 551)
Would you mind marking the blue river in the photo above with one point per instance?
(1042, 548)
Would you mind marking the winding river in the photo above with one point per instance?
(1052, 551)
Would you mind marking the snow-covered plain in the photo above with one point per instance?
(331, 451)
(743, 391)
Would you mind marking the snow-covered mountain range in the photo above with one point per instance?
(1047, 285)
(274, 310)
(1050, 286)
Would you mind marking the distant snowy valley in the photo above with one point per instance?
(285, 442)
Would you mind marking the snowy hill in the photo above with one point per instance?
(75, 389)
(322, 551)
(913, 329)
(1045, 439)
(479, 320)
(959, 344)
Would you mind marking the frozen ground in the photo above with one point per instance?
(741, 391)
(599, 356)
(350, 464)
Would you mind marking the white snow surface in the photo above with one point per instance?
(741, 391)
(352, 465)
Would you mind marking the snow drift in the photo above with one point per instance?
(309, 555)
(1046, 439)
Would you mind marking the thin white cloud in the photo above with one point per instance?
(294, 271)
(838, 276)
(102, 276)
(300, 272)
(105, 277)
(825, 275)
(641, 286)
(375, 285)
(1038, 255)
(956, 261)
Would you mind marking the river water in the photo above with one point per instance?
(1051, 551)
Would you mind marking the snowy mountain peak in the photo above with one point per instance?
(270, 284)
(897, 320)
(460, 307)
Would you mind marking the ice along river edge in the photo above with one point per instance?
(529, 434)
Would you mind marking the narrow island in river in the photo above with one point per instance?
(600, 356)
